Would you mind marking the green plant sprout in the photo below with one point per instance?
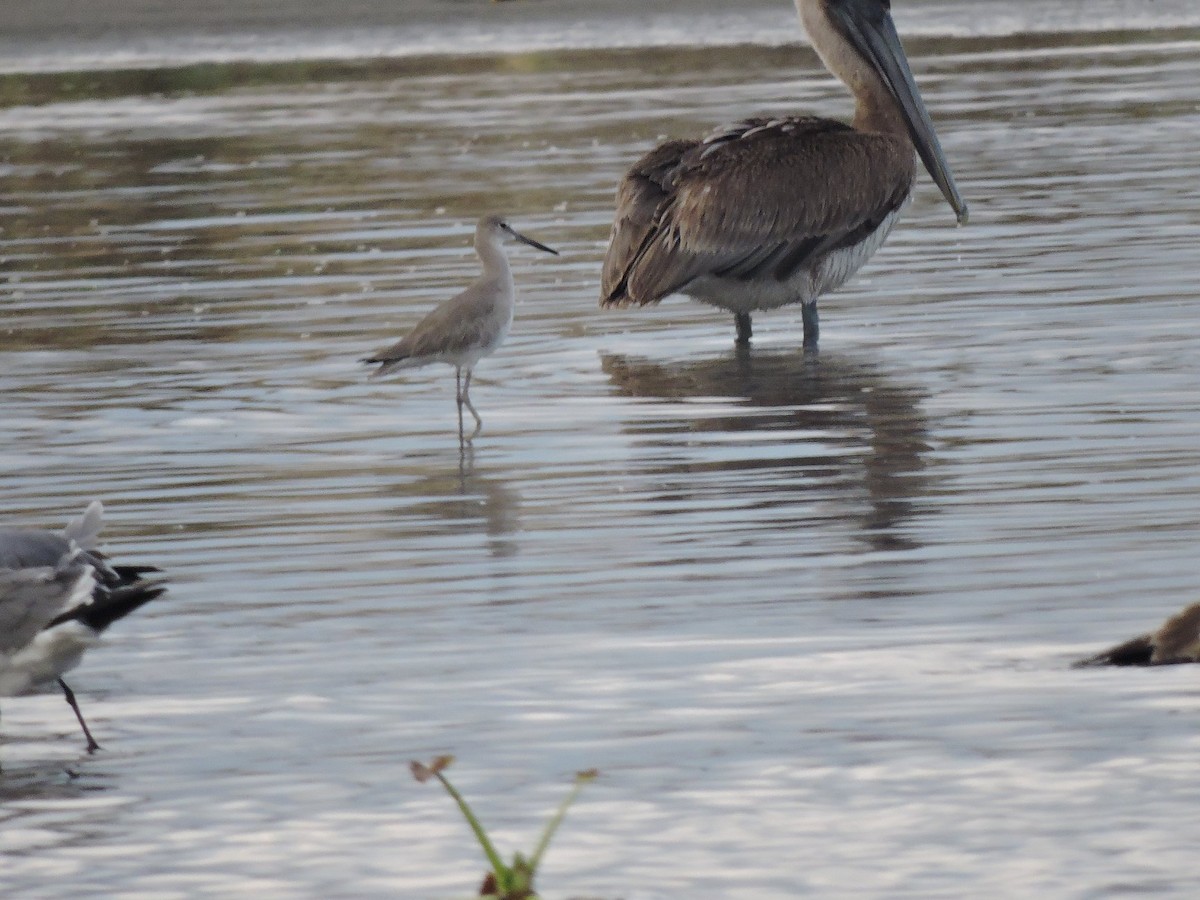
(513, 882)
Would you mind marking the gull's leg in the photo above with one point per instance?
(92, 746)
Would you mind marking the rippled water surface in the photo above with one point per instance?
(810, 617)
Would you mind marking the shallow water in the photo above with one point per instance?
(811, 618)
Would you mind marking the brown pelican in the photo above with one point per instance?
(772, 211)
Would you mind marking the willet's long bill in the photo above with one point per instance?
(57, 594)
(773, 211)
(467, 327)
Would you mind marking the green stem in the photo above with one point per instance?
(498, 867)
(552, 825)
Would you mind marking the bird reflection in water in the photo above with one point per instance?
(849, 429)
(46, 785)
(465, 501)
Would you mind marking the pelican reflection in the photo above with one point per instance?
(851, 441)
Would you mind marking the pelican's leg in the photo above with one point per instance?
(466, 399)
(812, 330)
(742, 321)
(92, 746)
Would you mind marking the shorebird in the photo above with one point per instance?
(772, 211)
(57, 594)
(468, 326)
(1177, 640)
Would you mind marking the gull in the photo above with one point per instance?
(58, 593)
(1177, 640)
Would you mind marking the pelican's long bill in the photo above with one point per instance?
(528, 240)
(869, 28)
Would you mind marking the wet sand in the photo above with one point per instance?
(66, 35)
(70, 19)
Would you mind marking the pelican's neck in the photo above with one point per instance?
(875, 109)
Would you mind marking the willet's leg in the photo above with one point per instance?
(812, 330)
(466, 399)
(458, 400)
(742, 321)
(92, 746)
(466, 463)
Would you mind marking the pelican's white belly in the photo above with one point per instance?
(805, 286)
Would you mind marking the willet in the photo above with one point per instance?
(467, 327)
(773, 211)
(57, 594)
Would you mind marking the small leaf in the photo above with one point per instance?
(488, 888)
(423, 772)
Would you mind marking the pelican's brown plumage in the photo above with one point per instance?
(772, 211)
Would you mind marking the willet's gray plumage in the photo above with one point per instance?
(467, 327)
(57, 594)
(773, 211)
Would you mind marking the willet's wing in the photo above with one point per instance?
(459, 325)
